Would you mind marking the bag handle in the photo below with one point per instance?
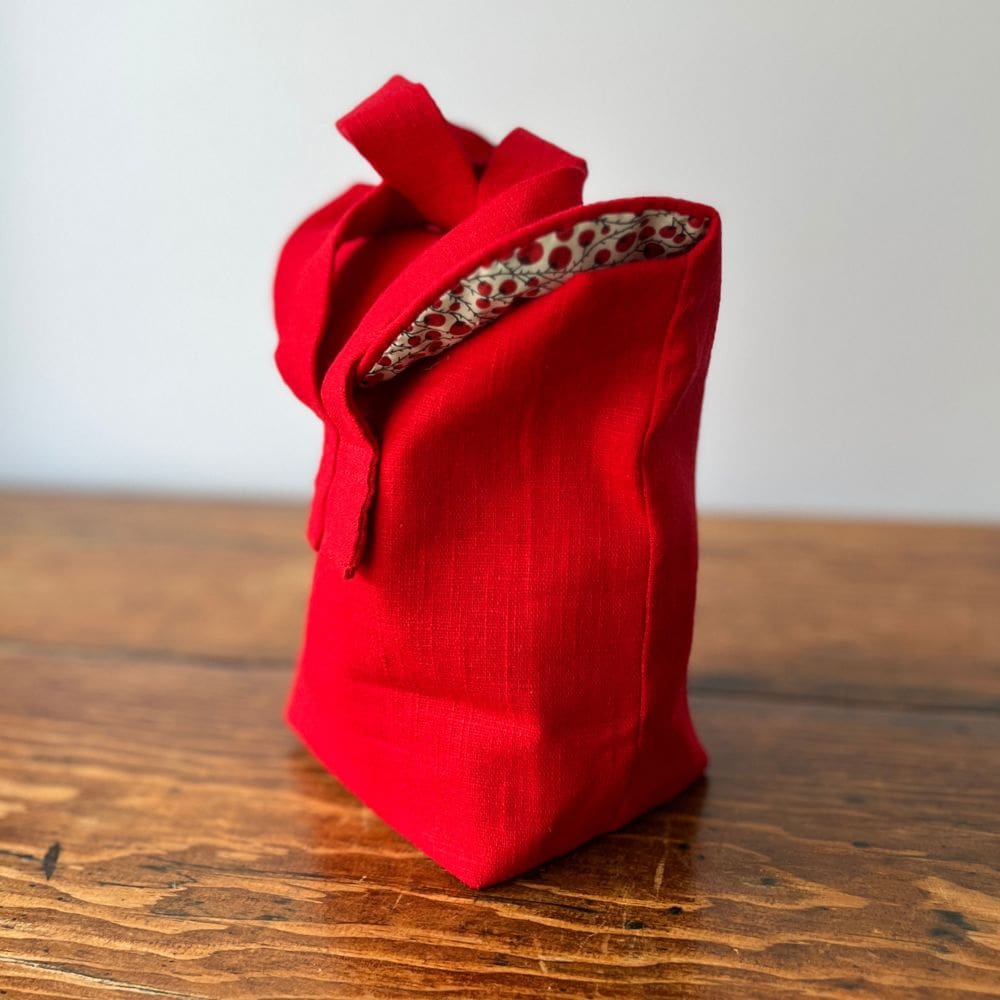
(523, 156)
(350, 491)
(525, 180)
(401, 132)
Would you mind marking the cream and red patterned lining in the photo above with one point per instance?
(540, 267)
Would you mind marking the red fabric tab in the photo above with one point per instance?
(401, 132)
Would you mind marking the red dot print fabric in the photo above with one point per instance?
(541, 267)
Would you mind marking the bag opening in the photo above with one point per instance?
(533, 270)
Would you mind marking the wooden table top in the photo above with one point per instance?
(163, 834)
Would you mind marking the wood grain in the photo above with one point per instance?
(848, 610)
(202, 852)
(851, 610)
(163, 834)
(154, 576)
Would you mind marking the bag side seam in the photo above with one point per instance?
(658, 394)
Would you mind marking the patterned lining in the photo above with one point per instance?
(536, 269)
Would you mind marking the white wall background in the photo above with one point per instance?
(155, 154)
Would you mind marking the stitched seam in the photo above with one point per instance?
(643, 479)
(323, 485)
(361, 522)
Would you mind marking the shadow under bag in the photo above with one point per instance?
(510, 383)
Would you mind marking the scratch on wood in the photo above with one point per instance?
(20, 855)
(89, 978)
(50, 860)
(660, 869)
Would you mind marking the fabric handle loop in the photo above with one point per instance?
(401, 132)
(459, 182)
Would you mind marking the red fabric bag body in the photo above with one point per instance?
(510, 383)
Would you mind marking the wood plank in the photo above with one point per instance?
(893, 613)
(850, 610)
(834, 851)
(214, 578)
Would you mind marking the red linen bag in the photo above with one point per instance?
(510, 383)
